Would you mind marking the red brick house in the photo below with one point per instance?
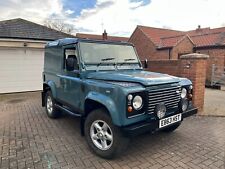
(165, 44)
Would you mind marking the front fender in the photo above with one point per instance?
(108, 103)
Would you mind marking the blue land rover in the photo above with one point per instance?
(104, 84)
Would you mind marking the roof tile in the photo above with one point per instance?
(155, 34)
(200, 37)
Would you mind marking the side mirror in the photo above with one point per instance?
(146, 63)
(70, 63)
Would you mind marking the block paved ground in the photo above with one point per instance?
(28, 139)
(214, 102)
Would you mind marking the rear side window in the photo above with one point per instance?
(52, 61)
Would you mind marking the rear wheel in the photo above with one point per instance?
(50, 107)
(171, 128)
(104, 138)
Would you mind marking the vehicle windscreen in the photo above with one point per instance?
(108, 56)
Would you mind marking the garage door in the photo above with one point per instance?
(21, 70)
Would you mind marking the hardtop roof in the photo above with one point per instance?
(67, 41)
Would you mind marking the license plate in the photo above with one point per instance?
(169, 120)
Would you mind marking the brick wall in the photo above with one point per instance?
(145, 48)
(185, 46)
(164, 66)
(161, 55)
(191, 66)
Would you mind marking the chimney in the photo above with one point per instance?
(199, 30)
(104, 35)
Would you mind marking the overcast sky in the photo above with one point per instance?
(119, 17)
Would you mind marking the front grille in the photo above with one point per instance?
(167, 94)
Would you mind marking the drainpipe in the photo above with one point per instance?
(169, 53)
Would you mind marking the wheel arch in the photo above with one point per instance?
(46, 87)
(90, 105)
(96, 101)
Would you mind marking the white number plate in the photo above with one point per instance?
(169, 120)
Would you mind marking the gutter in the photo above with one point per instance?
(210, 47)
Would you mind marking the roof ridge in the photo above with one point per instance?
(150, 38)
(159, 28)
(30, 22)
(101, 35)
(11, 19)
(43, 26)
(223, 27)
(212, 33)
(21, 28)
(199, 29)
(181, 39)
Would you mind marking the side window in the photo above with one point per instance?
(70, 55)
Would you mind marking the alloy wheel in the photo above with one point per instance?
(101, 135)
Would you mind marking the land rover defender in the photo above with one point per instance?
(104, 84)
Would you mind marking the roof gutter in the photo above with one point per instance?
(210, 47)
(164, 48)
(24, 38)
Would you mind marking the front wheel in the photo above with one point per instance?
(104, 138)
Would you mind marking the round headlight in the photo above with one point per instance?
(137, 102)
(183, 93)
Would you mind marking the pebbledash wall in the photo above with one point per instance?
(191, 66)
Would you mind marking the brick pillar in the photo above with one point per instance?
(193, 67)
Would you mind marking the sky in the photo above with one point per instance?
(119, 17)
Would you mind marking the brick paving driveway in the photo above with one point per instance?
(28, 139)
(214, 102)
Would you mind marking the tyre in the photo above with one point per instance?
(171, 128)
(50, 107)
(104, 138)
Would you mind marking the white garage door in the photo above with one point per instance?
(21, 70)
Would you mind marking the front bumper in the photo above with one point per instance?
(142, 127)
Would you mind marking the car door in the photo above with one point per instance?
(70, 81)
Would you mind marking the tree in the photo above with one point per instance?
(59, 25)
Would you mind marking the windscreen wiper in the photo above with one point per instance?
(103, 60)
(125, 60)
(129, 59)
